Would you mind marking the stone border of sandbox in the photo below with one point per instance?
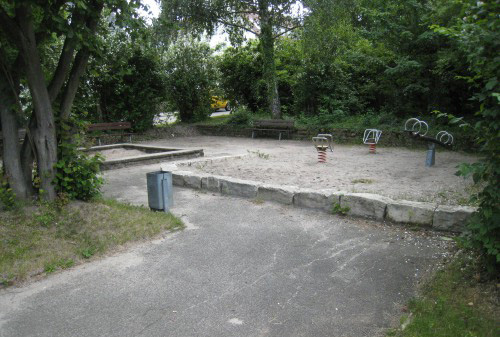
(153, 154)
(366, 205)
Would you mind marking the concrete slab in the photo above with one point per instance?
(318, 199)
(240, 268)
(452, 218)
(411, 212)
(365, 205)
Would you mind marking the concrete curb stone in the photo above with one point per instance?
(322, 199)
(365, 205)
(403, 211)
(211, 183)
(238, 187)
(280, 194)
(452, 218)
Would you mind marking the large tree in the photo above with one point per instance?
(32, 33)
(267, 19)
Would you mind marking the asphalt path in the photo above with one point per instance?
(240, 268)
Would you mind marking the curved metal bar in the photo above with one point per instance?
(371, 136)
(406, 124)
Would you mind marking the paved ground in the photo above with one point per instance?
(241, 268)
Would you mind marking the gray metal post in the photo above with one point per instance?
(431, 155)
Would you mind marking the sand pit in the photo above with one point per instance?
(120, 153)
(398, 173)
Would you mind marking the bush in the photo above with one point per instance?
(241, 76)
(7, 196)
(190, 78)
(77, 174)
(241, 116)
(477, 34)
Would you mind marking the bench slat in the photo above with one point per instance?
(110, 126)
(273, 123)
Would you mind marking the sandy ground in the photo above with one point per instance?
(112, 154)
(398, 173)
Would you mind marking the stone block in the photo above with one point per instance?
(238, 187)
(211, 183)
(452, 218)
(365, 205)
(279, 194)
(322, 199)
(177, 179)
(411, 212)
(192, 181)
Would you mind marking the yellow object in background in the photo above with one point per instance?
(219, 103)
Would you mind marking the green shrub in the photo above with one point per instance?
(7, 196)
(241, 116)
(477, 34)
(77, 173)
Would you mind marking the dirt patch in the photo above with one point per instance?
(398, 173)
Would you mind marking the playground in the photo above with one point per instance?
(399, 173)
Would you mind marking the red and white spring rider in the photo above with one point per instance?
(371, 138)
(322, 142)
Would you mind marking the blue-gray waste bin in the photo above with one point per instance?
(160, 192)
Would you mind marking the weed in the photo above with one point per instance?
(257, 201)
(88, 252)
(63, 263)
(362, 181)
(259, 154)
(339, 210)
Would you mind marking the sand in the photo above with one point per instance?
(120, 153)
(398, 173)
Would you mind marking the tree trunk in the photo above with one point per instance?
(44, 135)
(269, 65)
(11, 158)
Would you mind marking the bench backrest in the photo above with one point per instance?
(273, 124)
(110, 126)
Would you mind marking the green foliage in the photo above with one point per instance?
(125, 83)
(7, 196)
(241, 116)
(477, 35)
(339, 210)
(77, 174)
(241, 76)
(190, 78)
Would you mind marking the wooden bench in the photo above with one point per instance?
(279, 125)
(109, 127)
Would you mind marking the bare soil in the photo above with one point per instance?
(399, 173)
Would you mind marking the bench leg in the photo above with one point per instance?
(253, 134)
(130, 138)
(279, 137)
(99, 141)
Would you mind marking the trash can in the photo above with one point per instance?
(160, 192)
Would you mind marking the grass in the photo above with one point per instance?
(455, 302)
(42, 239)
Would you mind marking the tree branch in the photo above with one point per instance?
(79, 65)
(65, 60)
(286, 31)
(226, 23)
